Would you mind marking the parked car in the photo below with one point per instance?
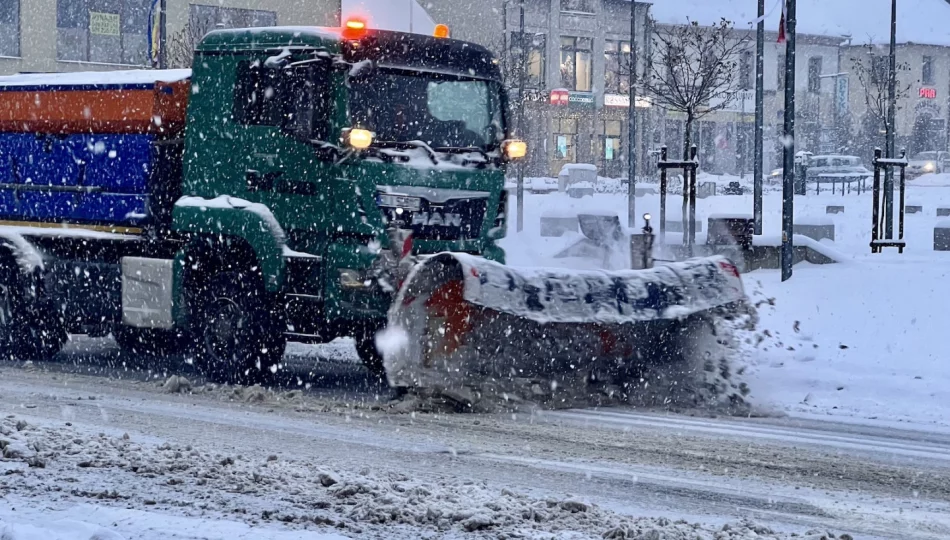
(928, 162)
(831, 166)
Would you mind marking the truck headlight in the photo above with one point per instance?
(929, 167)
(354, 279)
(515, 149)
(358, 138)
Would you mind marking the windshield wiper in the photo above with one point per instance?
(402, 145)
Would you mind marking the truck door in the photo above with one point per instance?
(284, 114)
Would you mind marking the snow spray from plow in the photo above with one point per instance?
(465, 325)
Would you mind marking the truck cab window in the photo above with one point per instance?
(292, 99)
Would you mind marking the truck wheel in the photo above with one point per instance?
(240, 339)
(152, 341)
(370, 356)
(28, 330)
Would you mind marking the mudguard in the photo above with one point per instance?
(460, 318)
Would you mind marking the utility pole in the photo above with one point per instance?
(788, 172)
(522, 73)
(891, 125)
(162, 36)
(632, 121)
(757, 172)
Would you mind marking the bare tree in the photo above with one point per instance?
(871, 69)
(694, 70)
(181, 45)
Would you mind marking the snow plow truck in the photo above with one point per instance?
(300, 184)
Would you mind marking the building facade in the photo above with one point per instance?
(576, 81)
(924, 88)
(578, 93)
(82, 35)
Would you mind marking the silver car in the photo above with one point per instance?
(928, 162)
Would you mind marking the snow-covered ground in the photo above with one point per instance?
(843, 355)
(862, 340)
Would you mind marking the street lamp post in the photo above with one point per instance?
(757, 172)
(891, 125)
(632, 121)
(788, 172)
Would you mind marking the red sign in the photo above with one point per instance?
(928, 93)
(560, 97)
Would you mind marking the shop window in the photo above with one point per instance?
(617, 67)
(565, 138)
(535, 43)
(611, 139)
(576, 54)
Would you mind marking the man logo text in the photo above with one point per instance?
(437, 219)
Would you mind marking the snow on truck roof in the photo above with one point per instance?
(269, 36)
(866, 21)
(94, 79)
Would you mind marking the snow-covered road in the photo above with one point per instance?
(259, 464)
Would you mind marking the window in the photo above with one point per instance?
(745, 70)
(610, 139)
(106, 31)
(780, 72)
(440, 110)
(535, 61)
(9, 28)
(814, 74)
(578, 6)
(291, 99)
(927, 74)
(576, 63)
(617, 73)
(565, 133)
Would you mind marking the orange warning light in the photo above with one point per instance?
(441, 31)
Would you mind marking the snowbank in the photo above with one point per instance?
(120, 487)
(861, 340)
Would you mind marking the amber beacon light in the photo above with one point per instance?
(441, 31)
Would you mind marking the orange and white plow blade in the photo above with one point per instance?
(462, 321)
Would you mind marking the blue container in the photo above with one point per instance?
(97, 179)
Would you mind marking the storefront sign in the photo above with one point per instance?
(928, 93)
(742, 102)
(842, 94)
(620, 100)
(104, 24)
(576, 99)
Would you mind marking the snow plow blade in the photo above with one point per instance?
(461, 321)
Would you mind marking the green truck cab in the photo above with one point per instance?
(309, 155)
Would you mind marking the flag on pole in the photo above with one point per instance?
(781, 23)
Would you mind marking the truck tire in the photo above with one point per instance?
(370, 356)
(28, 330)
(241, 340)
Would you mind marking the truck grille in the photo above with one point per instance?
(454, 219)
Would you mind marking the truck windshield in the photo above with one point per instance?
(444, 111)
